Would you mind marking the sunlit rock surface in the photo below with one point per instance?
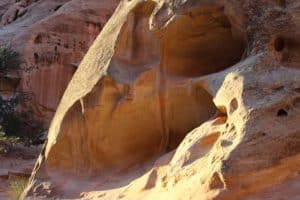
(181, 100)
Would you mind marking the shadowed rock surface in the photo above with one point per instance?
(181, 100)
(51, 36)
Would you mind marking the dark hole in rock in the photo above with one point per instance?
(36, 57)
(233, 105)
(57, 7)
(38, 39)
(282, 113)
(279, 44)
(225, 143)
(16, 15)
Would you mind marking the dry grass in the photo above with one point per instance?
(16, 187)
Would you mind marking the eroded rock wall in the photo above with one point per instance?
(181, 99)
(52, 37)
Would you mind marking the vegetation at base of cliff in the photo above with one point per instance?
(16, 187)
(7, 143)
(10, 123)
(9, 59)
(15, 127)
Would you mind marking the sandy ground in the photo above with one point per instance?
(17, 163)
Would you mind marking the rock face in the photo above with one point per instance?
(52, 36)
(181, 100)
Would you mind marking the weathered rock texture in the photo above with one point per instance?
(52, 36)
(181, 100)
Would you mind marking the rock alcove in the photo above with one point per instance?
(146, 104)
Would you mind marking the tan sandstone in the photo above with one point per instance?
(52, 36)
(181, 100)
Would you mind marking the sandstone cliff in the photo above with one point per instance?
(52, 36)
(181, 100)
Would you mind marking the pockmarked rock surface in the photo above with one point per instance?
(52, 37)
(181, 100)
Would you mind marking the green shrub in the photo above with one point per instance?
(9, 139)
(7, 143)
(9, 59)
(9, 122)
(18, 124)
